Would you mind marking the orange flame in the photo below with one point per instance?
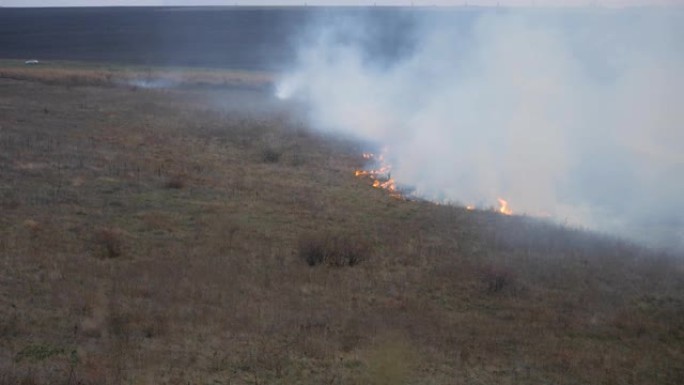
(503, 207)
(381, 176)
(382, 180)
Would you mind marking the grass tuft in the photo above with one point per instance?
(271, 155)
(109, 242)
(336, 250)
(176, 182)
(497, 278)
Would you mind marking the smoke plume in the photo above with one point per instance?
(572, 114)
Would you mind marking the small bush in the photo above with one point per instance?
(496, 278)
(34, 228)
(109, 241)
(270, 155)
(37, 353)
(333, 250)
(175, 182)
(312, 250)
(297, 160)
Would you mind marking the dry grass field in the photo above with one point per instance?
(107, 75)
(206, 236)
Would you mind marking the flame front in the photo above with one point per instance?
(382, 179)
(381, 175)
(503, 207)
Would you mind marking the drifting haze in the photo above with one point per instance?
(575, 115)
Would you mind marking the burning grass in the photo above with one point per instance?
(379, 171)
(112, 276)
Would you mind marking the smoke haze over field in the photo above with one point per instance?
(573, 114)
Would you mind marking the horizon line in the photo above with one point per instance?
(592, 5)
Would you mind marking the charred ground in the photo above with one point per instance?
(159, 236)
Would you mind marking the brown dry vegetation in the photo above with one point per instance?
(88, 74)
(153, 237)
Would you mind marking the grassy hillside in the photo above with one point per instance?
(167, 236)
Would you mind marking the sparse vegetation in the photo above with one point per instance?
(111, 276)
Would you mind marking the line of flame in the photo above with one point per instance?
(388, 184)
(379, 176)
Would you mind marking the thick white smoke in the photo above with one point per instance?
(575, 114)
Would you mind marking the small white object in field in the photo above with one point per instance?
(32, 61)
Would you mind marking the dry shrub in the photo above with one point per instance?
(335, 250)
(37, 353)
(496, 278)
(34, 228)
(109, 242)
(271, 155)
(155, 326)
(175, 182)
